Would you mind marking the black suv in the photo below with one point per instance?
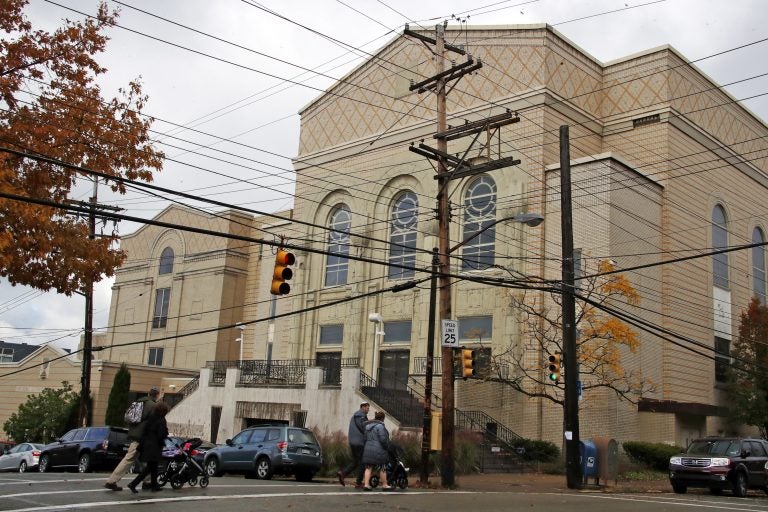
(85, 448)
(721, 463)
(266, 450)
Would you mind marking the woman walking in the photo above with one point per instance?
(151, 446)
(375, 453)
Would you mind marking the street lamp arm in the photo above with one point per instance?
(529, 219)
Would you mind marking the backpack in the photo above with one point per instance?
(133, 413)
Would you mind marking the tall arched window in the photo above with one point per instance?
(337, 264)
(719, 241)
(402, 235)
(479, 213)
(166, 261)
(758, 264)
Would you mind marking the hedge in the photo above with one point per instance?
(653, 455)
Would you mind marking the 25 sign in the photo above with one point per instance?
(450, 333)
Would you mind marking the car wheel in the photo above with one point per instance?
(263, 469)
(43, 465)
(304, 475)
(740, 484)
(679, 488)
(84, 463)
(212, 467)
(23, 467)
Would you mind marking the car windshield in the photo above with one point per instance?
(716, 448)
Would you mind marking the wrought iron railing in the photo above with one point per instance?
(479, 421)
(417, 387)
(290, 372)
(332, 369)
(401, 404)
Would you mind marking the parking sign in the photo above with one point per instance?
(450, 333)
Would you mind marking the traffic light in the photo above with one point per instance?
(555, 362)
(282, 272)
(467, 363)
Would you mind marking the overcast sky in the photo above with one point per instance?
(219, 68)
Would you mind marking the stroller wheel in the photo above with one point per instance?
(204, 482)
(374, 482)
(402, 482)
(177, 482)
(192, 481)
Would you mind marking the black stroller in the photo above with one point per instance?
(183, 467)
(397, 472)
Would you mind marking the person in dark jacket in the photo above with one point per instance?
(356, 438)
(376, 451)
(134, 436)
(151, 446)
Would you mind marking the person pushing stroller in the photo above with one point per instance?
(376, 454)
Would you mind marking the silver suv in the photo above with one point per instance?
(267, 450)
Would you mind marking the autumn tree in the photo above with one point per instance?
(747, 387)
(44, 416)
(601, 340)
(119, 397)
(51, 106)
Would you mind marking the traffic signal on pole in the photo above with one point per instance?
(467, 363)
(282, 272)
(555, 363)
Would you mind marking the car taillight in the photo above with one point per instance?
(105, 444)
(282, 446)
(35, 454)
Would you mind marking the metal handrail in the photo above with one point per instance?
(400, 404)
(479, 421)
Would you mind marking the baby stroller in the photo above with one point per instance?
(187, 469)
(397, 472)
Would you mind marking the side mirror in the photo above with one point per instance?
(228, 442)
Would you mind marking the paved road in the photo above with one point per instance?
(34, 492)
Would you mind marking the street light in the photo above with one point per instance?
(241, 339)
(378, 330)
(529, 219)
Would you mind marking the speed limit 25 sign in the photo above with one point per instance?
(450, 333)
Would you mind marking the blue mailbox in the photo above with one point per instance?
(588, 459)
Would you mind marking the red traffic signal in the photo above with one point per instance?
(282, 272)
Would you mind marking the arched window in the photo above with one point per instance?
(337, 264)
(758, 264)
(719, 241)
(402, 235)
(479, 213)
(166, 261)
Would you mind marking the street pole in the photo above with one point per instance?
(571, 408)
(85, 378)
(443, 217)
(426, 431)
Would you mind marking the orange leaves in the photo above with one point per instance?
(66, 119)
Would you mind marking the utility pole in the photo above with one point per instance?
(571, 408)
(426, 431)
(84, 412)
(460, 168)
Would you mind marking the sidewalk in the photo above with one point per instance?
(538, 482)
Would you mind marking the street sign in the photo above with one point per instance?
(450, 333)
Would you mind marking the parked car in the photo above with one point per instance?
(21, 457)
(721, 463)
(267, 450)
(85, 448)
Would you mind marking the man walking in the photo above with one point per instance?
(356, 438)
(135, 433)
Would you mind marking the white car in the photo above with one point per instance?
(21, 457)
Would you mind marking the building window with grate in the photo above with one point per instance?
(402, 236)
(337, 263)
(719, 241)
(722, 359)
(479, 214)
(166, 261)
(155, 356)
(331, 334)
(162, 300)
(758, 265)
